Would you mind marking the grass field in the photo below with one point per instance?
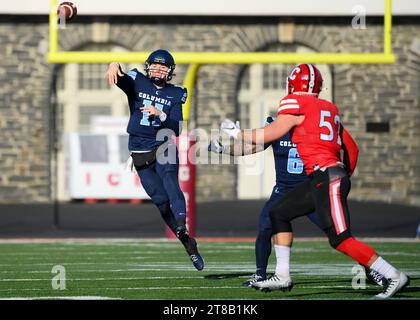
(158, 269)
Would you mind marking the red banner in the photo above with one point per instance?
(186, 177)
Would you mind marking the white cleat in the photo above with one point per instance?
(394, 285)
(274, 283)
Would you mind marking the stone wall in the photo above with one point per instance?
(389, 168)
(24, 113)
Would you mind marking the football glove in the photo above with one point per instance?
(216, 147)
(230, 128)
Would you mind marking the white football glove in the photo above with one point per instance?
(230, 128)
(216, 146)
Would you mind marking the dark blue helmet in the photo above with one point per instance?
(163, 57)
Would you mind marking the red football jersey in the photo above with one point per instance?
(318, 137)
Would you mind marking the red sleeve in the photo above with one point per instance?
(351, 152)
(289, 106)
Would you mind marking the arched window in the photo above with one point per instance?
(87, 104)
(84, 93)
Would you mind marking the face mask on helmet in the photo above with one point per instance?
(158, 72)
(154, 66)
(305, 79)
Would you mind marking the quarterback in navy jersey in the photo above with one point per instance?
(289, 172)
(143, 94)
(156, 105)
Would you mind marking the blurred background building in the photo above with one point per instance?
(41, 104)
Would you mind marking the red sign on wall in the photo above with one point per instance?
(186, 177)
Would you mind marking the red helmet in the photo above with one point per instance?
(304, 78)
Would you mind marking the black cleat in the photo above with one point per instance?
(191, 247)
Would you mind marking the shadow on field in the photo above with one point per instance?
(321, 281)
(333, 291)
(227, 275)
(368, 293)
(222, 276)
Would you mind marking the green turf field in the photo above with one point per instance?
(152, 269)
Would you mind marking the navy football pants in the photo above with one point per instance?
(160, 181)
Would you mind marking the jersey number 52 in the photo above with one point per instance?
(325, 121)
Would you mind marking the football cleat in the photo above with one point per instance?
(254, 278)
(274, 283)
(394, 285)
(191, 247)
(374, 277)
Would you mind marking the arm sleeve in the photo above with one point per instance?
(351, 152)
(127, 81)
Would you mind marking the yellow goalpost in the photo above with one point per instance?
(195, 59)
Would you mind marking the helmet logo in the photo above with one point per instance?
(305, 78)
(293, 73)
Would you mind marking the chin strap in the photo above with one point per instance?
(160, 83)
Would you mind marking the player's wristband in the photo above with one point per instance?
(163, 116)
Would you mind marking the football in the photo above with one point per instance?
(68, 10)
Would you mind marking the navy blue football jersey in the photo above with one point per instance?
(141, 92)
(289, 166)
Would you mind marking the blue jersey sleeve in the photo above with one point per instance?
(127, 82)
(175, 117)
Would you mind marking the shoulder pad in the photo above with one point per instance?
(133, 73)
(184, 94)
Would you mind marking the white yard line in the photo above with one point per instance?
(103, 279)
(179, 288)
(62, 297)
(98, 241)
(136, 288)
(138, 241)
